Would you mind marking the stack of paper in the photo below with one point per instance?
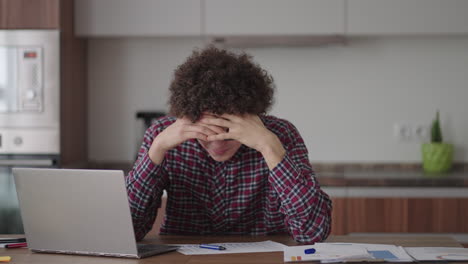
(326, 253)
(337, 252)
(438, 253)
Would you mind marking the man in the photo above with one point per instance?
(228, 168)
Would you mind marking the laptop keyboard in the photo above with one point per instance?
(145, 248)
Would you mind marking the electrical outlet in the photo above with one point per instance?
(407, 132)
(402, 132)
(421, 132)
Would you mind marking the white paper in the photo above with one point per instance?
(252, 247)
(326, 252)
(437, 253)
(386, 252)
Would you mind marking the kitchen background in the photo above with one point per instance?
(361, 79)
(398, 62)
(345, 99)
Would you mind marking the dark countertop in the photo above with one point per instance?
(391, 178)
(363, 175)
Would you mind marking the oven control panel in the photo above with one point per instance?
(31, 83)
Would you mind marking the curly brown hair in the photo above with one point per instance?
(221, 82)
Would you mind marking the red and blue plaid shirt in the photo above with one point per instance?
(238, 196)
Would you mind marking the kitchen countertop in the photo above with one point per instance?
(391, 178)
(364, 175)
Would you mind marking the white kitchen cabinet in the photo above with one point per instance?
(273, 17)
(137, 18)
(407, 17)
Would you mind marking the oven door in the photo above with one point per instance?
(10, 217)
(8, 79)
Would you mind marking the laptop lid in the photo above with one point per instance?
(75, 211)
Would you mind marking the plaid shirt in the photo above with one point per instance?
(238, 196)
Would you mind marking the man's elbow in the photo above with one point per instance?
(317, 232)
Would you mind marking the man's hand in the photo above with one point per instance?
(250, 131)
(181, 130)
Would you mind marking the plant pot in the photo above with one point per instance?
(437, 157)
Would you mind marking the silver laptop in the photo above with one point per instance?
(78, 212)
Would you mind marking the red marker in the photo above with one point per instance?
(17, 245)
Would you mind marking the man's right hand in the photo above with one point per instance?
(181, 130)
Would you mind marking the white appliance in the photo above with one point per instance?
(29, 111)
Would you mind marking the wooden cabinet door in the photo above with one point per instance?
(463, 214)
(338, 216)
(29, 14)
(412, 215)
(376, 215)
(436, 215)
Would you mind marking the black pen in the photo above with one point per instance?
(215, 247)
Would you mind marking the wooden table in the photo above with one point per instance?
(22, 256)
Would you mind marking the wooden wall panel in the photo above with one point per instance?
(29, 14)
(73, 92)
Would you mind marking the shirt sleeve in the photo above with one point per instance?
(306, 207)
(145, 184)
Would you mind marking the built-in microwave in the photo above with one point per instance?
(29, 91)
(29, 111)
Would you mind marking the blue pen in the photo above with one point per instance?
(309, 251)
(215, 247)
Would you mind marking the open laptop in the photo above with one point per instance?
(78, 212)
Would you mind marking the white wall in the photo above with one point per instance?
(344, 99)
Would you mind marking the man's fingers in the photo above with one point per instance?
(234, 118)
(219, 137)
(216, 129)
(201, 129)
(228, 117)
(197, 135)
(209, 120)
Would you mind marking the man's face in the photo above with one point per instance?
(221, 150)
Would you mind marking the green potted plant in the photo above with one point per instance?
(437, 156)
